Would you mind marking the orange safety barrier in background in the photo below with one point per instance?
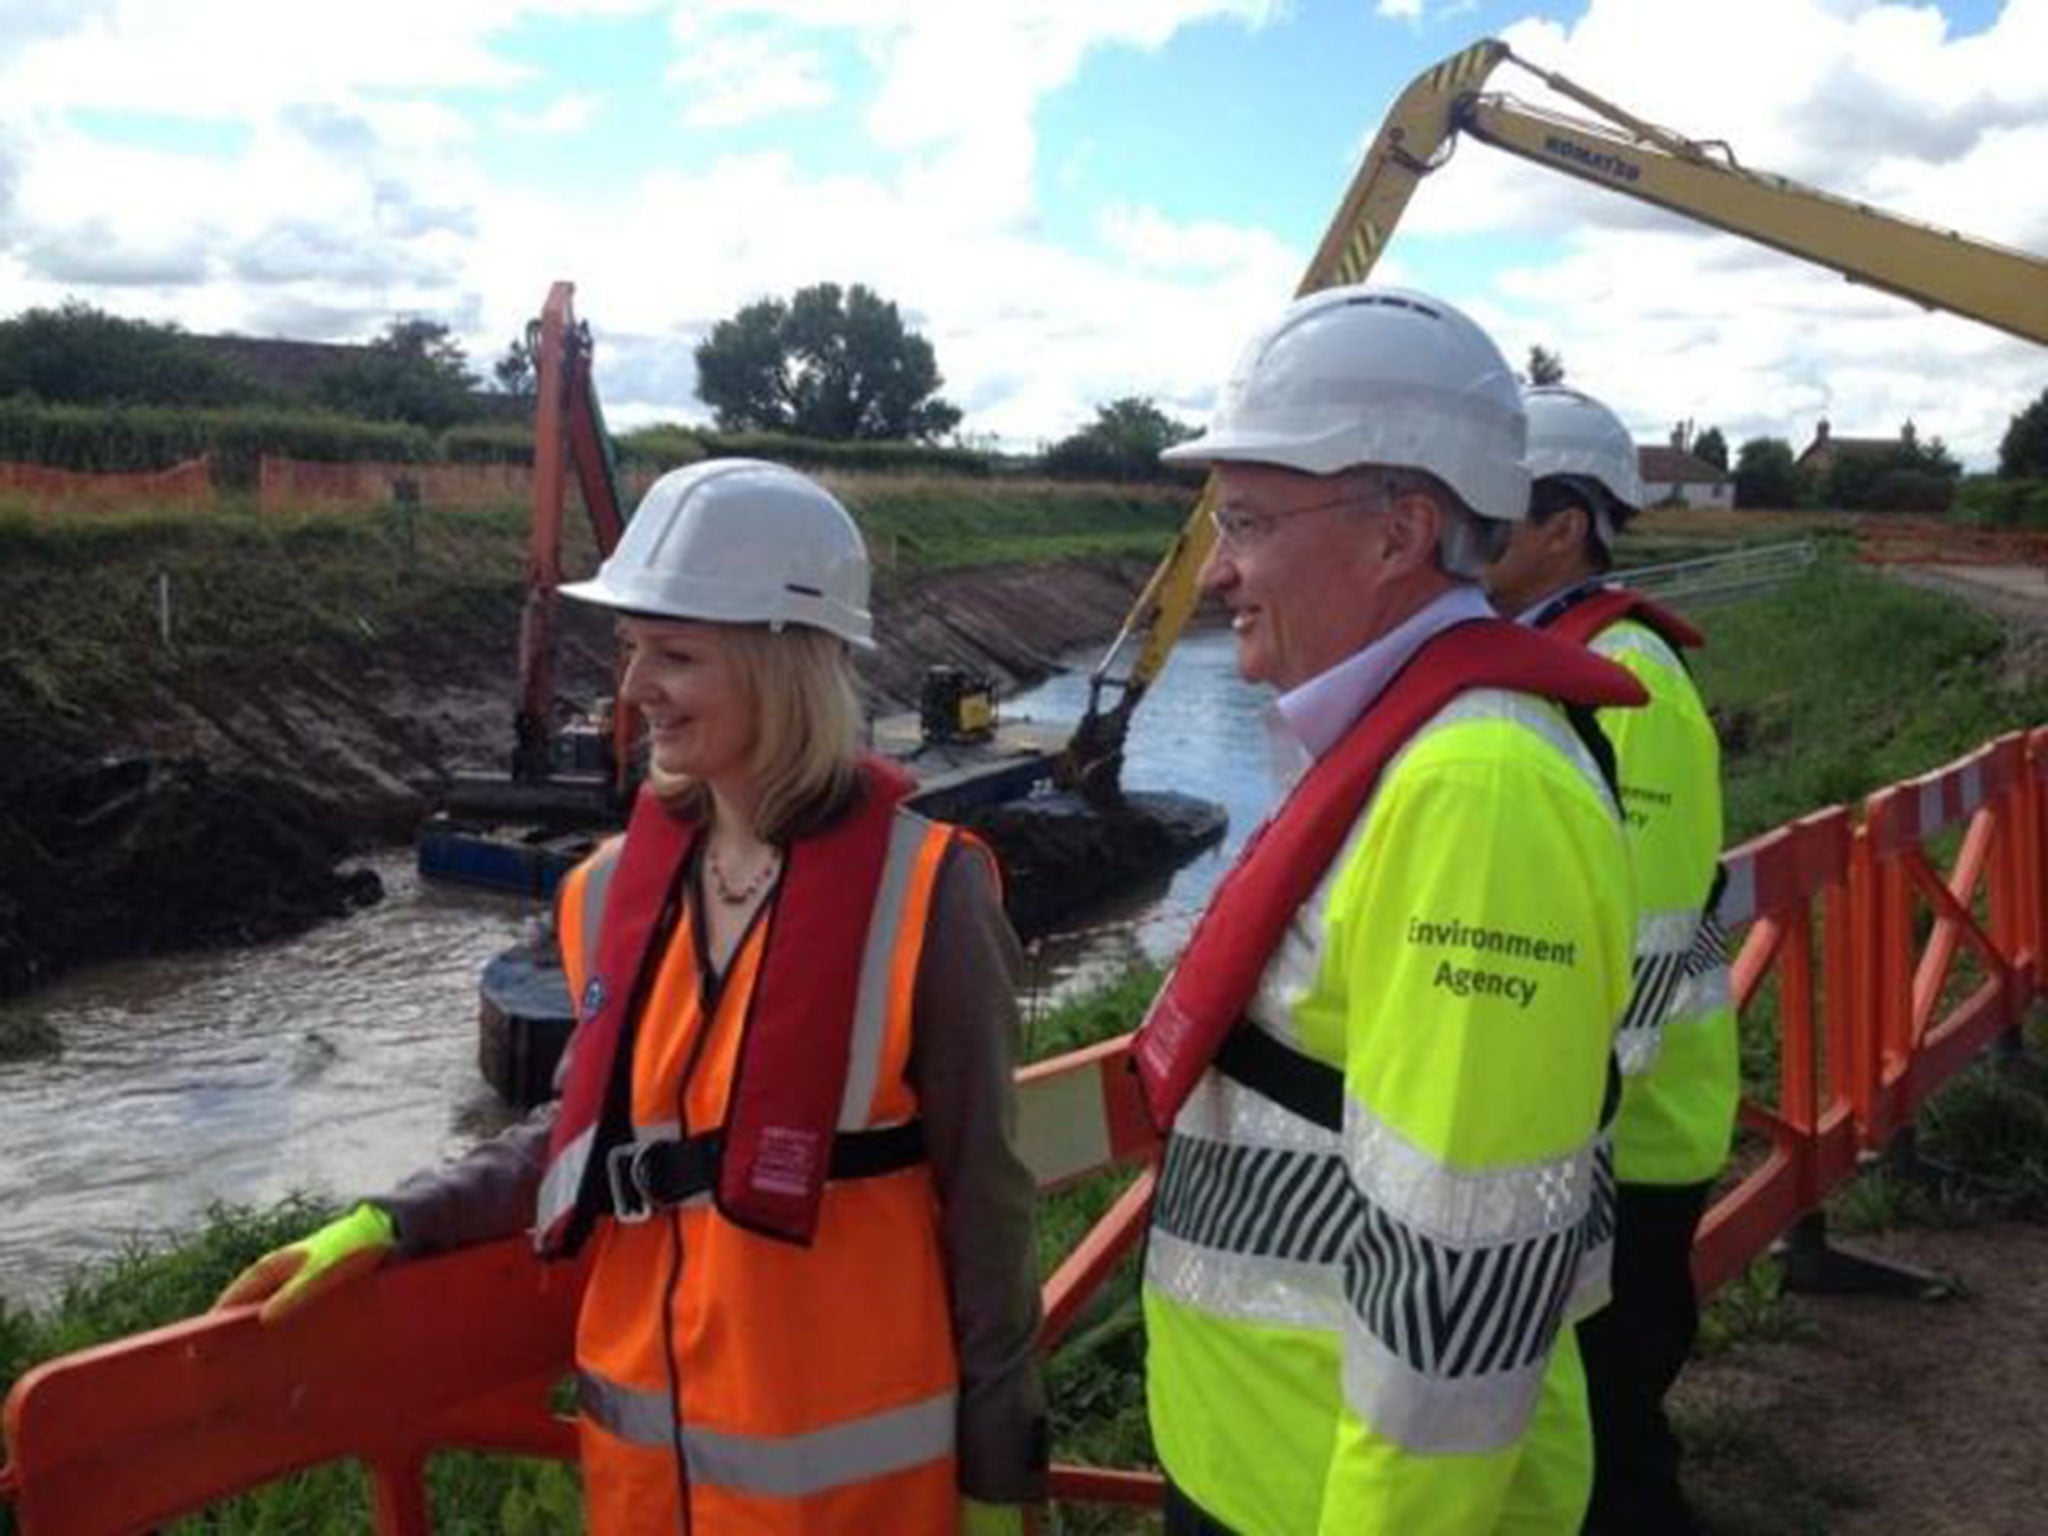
(1785, 891)
(189, 484)
(1918, 1035)
(1853, 933)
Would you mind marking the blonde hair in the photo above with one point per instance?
(799, 683)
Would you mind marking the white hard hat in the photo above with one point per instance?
(1574, 434)
(739, 541)
(1359, 375)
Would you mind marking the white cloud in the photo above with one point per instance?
(744, 77)
(566, 114)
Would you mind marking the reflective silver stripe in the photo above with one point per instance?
(1222, 1109)
(628, 1413)
(1666, 956)
(559, 1185)
(1242, 1287)
(1737, 906)
(1430, 1414)
(1498, 1205)
(857, 1451)
(1971, 787)
(1660, 933)
(596, 885)
(1627, 639)
(777, 1466)
(871, 1007)
(1531, 714)
(1701, 997)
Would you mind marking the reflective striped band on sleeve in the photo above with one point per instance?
(1664, 945)
(1704, 988)
(776, 1466)
(1446, 1287)
(1458, 1282)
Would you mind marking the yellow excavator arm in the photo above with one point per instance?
(1702, 180)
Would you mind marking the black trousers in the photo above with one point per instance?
(1634, 1351)
(1184, 1517)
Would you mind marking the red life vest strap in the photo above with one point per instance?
(793, 1060)
(797, 1041)
(1284, 860)
(1584, 619)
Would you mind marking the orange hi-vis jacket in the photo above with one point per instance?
(735, 1381)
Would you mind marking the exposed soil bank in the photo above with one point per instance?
(204, 803)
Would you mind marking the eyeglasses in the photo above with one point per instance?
(1239, 530)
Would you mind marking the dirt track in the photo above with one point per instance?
(1887, 1417)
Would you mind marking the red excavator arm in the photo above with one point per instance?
(568, 429)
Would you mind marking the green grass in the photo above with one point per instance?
(919, 524)
(1842, 682)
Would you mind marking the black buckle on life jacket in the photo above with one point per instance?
(650, 1176)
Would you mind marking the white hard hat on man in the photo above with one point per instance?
(1384, 376)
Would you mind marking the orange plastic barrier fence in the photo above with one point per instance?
(1787, 893)
(455, 1352)
(189, 484)
(1860, 928)
(1917, 1033)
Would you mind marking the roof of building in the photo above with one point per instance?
(1664, 465)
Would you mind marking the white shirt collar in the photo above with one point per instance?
(1318, 712)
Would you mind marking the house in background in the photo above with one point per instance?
(1820, 455)
(1674, 477)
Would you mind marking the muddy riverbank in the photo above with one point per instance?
(187, 799)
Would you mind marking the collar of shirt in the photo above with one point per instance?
(1317, 714)
(1540, 613)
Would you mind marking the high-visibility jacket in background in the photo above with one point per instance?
(1678, 1046)
(1376, 1208)
(734, 1379)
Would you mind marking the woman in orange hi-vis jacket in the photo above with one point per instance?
(786, 1111)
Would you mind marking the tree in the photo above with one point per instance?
(1765, 475)
(2023, 452)
(1710, 447)
(1122, 443)
(414, 372)
(79, 355)
(1910, 475)
(514, 371)
(1545, 366)
(829, 363)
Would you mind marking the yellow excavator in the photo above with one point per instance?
(1701, 179)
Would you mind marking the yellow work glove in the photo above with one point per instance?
(285, 1279)
(979, 1519)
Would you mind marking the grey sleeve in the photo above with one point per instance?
(963, 1058)
(487, 1193)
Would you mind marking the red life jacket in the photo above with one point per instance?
(1284, 860)
(1587, 617)
(776, 1145)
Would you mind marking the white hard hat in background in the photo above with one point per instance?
(739, 541)
(1359, 375)
(1573, 434)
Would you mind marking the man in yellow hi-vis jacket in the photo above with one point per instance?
(1677, 1043)
(1385, 1054)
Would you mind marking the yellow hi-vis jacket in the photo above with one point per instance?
(1361, 1329)
(1677, 1045)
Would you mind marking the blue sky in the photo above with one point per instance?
(1075, 199)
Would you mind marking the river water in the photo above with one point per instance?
(341, 1060)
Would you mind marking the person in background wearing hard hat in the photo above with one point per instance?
(787, 1113)
(1677, 1043)
(1385, 1055)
